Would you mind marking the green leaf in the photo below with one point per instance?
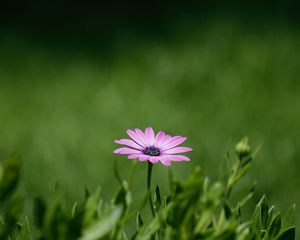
(139, 221)
(11, 214)
(123, 196)
(227, 210)
(264, 212)
(9, 177)
(271, 211)
(204, 220)
(14, 208)
(256, 219)
(86, 193)
(124, 236)
(74, 209)
(157, 200)
(275, 226)
(25, 232)
(245, 234)
(288, 219)
(56, 224)
(148, 231)
(39, 210)
(90, 209)
(242, 172)
(104, 226)
(287, 234)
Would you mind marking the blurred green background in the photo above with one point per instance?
(74, 77)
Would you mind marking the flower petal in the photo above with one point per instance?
(135, 137)
(177, 150)
(149, 136)
(129, 143)
(134, 156)
(175, 141)
(125, 150)
(175, 158)
(143, 158)
(166, 138)
(158, 138)
(165, 162)
(154, 159)
(141, 135)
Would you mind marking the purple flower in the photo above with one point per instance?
(146, 146)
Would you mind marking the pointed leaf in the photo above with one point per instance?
(123, 196)
(264, 212)
(275, 226)
(288, 234)
(227, 210)
(157, 201)
(288, 219)
(90, 209)
(39, 210)
(139, 221)
(103, 226)
(256, 219)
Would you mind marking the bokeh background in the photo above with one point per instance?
(75, 76)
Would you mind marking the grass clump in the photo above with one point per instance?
(193, 209)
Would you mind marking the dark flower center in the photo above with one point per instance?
(152, 151)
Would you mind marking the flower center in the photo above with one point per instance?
(152, 151)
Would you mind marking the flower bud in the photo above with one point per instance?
(243, 148)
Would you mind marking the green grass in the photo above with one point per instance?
(61, 107)
(194, 208)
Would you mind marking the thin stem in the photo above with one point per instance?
(150, 165)
(232, 179)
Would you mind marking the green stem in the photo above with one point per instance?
(150, 165)
(232, 178)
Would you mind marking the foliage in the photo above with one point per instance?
(64, 99)
(194, 209)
